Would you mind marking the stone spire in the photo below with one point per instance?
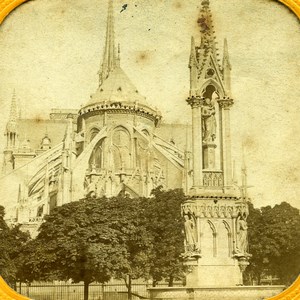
(110, 60)
(205, 22)
(13, 116)
(11, 126)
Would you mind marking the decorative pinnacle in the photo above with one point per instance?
(13, 116)
(226, 61)
(205, 22)
(205, 3)
(193, 52)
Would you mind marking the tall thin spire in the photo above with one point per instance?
(109, 62)
(205, 22)
(11, 126)
(226, 66)
(13, 116)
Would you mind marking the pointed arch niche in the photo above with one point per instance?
(209, 241)
(121, 144)
(212, 90)
(97, 158)
(224, 239)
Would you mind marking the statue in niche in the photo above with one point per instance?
(209, 123)
(241, 229)
(190, 233)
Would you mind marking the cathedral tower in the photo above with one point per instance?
(116, 128)
(215, 214)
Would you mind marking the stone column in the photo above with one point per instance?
(225, 105)
(195, 103)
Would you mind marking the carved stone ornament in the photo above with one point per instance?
(225, 103)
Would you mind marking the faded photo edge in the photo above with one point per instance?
(6, 7)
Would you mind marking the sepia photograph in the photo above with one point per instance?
(149, 150)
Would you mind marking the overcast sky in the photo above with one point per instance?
(51, 52)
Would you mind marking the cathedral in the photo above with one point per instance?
(116, 143)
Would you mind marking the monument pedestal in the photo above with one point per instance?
(215, 273)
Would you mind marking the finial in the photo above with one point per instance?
(205, 3)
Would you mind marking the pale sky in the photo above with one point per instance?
(51, 52)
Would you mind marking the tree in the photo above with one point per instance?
(133, 222)
(12, 241)
(273, 242)
(91, 240)
(283, 232)
(257, 245)
(166, 224)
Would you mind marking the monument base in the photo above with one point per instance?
(216, 275)
(216, 293)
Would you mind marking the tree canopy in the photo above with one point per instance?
(92, 240)
(166, 225)
(12, 241)
(274, 235)
(120, 237)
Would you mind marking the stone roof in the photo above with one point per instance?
(35, 130)
(117, 88)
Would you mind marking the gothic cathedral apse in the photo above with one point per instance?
(111, 145)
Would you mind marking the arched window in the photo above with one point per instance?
(94, 132)
(121, 148)
(97, 157)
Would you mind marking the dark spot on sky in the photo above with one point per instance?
(149, 29)
(178, 4)
(37, 119)
(142, 57)
(124, 6)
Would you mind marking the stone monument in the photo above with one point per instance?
(215, 214)
(217, 255)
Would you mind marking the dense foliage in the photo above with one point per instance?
(166, 226)
(99, 239)
(92, 240)
(274, 235)
(11, 244)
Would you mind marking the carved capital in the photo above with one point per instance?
(225, 103)
(195, 101)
